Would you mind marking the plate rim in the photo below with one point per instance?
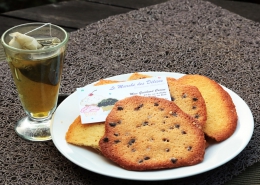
(164, 174)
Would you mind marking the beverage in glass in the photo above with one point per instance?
(37, 73)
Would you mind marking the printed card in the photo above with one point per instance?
(95, 102)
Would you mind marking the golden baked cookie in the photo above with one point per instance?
(189, 99)
(105, 82)
(85, 134)
(182, 95)
(221, 112)
(146, 133)
(138, 76)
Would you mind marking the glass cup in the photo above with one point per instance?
(37, 75)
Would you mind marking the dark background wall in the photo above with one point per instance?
(10, 5)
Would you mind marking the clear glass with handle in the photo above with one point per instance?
(35, 53)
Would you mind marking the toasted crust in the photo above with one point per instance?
(221, 112)
(145, 133)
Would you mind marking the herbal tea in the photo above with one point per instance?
(37, 82)
(35, 54)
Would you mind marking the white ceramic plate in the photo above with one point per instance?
(216, 154)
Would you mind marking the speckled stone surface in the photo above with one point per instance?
(177, 36)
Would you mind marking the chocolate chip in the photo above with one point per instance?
(183, 132)
(184, 96)
(167, 150)
(156, 104)
(112, 124)
(173, 113)
(117, 141)
(140, 161)
(189, 148)
(105, 140)
(146, 158)
(137, 108)
(166, 140)
(195, 99)
(194, 107)
(174, 160)
(151, 139)
(131, 142)
(120, 108)
(172, 98)
(177, 126)
(116, 134)
(196, 116)
(145, 123)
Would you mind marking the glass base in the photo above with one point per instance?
(34, 130)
